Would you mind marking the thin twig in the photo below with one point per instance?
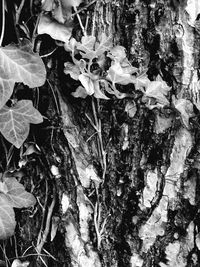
(80, 22)
(54, 96)
(85, 7)
(3, 22)
(39, 246)
(19, 10)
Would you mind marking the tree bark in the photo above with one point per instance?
(127, 194)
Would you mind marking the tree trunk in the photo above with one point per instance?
(127, 194)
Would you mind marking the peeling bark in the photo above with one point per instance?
(136, 205)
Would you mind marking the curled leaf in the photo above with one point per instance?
(116, 74)
(97, 91)
(80, 92)
(185, 107)
(87, 83)
(72, 69)
(158, 90)
(131, 108)
(56, 30)
(117, 53)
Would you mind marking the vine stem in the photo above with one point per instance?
(3, 22)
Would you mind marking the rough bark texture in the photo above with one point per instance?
(140, 206)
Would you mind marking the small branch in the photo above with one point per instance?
(39, 247)
(80, 10)
(19, 10)
(3, 22)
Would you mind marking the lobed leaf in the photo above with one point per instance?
(116, 74)
(87, 46)
(158, 90)
(7, 218)
(17, 195)
(72, 69)
(104, 45)
(57, 31)
(14, 121)
(19, 64)
(92, 49)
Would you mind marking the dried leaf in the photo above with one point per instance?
(72, 69)
(56, 30)
(54, 226)
(17, 195)
(15, 121)
(19, 64)
(131, 108)
(7, 218)
(87, 83)
(185, 107)
(162, 123)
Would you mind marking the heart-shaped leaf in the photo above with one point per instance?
(7, 218)
(87, 47)
(19, 64)
(17, 195)
(116, 74)
(158, 90)
(15, 121)
(104, 45)
(117, 53)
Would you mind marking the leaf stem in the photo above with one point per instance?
(3, 22)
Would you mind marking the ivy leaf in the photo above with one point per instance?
(97, 91)
(17, 195)
(193, 9)
(80, 92)
(72, 69)
(87, 47)
(19, 64)
(104, 45)
(18, 263)
(7, 218)
(57, 31)
(117, 53)
(116, 74)
(158, 90)
(15, 121)
(87, 83)
(142, 81)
